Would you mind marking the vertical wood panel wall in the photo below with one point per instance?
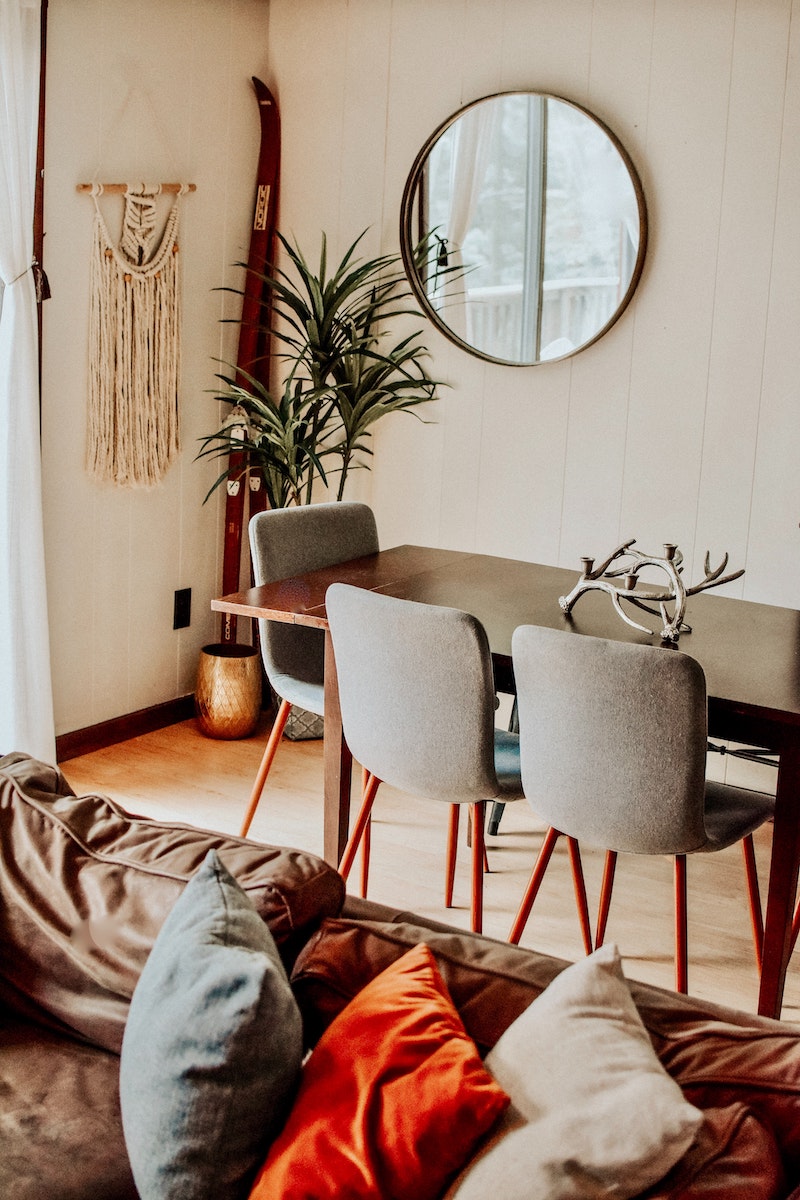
(153, 89)
(683, 423)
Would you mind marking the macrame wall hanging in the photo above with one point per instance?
(134, 341)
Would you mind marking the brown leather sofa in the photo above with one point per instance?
(84, 888)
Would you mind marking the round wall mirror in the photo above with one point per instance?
(523, 228)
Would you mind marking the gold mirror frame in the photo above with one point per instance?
(411, 238)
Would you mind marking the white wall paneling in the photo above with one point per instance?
(157, 91)
(773, 563)
(681, 424)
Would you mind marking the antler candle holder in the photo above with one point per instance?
(622, 584)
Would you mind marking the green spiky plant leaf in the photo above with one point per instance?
(279, 438)
(343, 370)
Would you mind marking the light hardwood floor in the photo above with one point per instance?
(177, 774)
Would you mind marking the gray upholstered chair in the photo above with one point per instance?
(292, 541)
(613, 749)
(418, 702)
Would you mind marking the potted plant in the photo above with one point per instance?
(342, 371)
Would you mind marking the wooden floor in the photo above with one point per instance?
(177, 774)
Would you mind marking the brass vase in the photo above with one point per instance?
(227, 695)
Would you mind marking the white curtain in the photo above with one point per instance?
(26, 703)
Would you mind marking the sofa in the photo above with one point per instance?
(87, 893)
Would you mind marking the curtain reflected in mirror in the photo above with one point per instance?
(523, 228)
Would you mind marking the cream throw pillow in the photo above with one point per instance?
(594, 1114)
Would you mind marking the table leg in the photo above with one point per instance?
(783, 874)
(337, 763)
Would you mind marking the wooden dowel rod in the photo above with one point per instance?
(123, 187)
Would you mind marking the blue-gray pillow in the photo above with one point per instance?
(212, 1048)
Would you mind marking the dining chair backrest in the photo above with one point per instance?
(292, 541)
(417, 693)
(612, 740)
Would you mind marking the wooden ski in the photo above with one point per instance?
(253, 351)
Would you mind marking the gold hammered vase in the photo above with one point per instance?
(227, 696)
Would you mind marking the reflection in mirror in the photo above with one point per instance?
(533, 222)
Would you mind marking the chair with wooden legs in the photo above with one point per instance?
(292, 541)
(613, 751)
(417, 699)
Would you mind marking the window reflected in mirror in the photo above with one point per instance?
(533, 225)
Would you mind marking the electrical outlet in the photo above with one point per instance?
(182, 612)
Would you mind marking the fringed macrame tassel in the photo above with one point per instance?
(134, 361)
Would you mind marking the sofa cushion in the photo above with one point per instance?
(85, 888)
(601, 1115)
(734, 1157)
(719, 1056)
(491, 982)
(392, 1101)
(60, 1127)
(213, 1047)
(723, 1057)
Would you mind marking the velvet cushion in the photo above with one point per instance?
(734, 1157)
(60, 1127)
(600, 1114)
(393, 1099)
(490, 982)
(212, 1049)
(85, 887)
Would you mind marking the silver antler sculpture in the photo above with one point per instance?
(621, 583)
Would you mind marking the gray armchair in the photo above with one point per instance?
(613, 749)
(292, 541)
(417, 699)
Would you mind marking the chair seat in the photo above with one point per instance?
(305, 693)
(507, 764)
(733, 812)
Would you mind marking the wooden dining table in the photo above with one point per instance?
(750, 654)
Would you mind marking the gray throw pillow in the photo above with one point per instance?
(212, 1048)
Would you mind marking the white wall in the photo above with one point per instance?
(160, 90)
(682, 423)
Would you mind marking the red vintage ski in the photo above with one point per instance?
(253, 352)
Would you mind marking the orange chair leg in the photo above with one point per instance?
(485, 852)
(469, 841)
(367, 800)
(478, 857)
(366, 840)
(754, 896)
(534, 883)
(681, 929)
(579, 884)
(606, 888)
(276, 733)
(452, 850)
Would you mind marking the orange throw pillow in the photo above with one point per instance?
(393, 1099)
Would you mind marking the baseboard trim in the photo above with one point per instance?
(120, 729)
